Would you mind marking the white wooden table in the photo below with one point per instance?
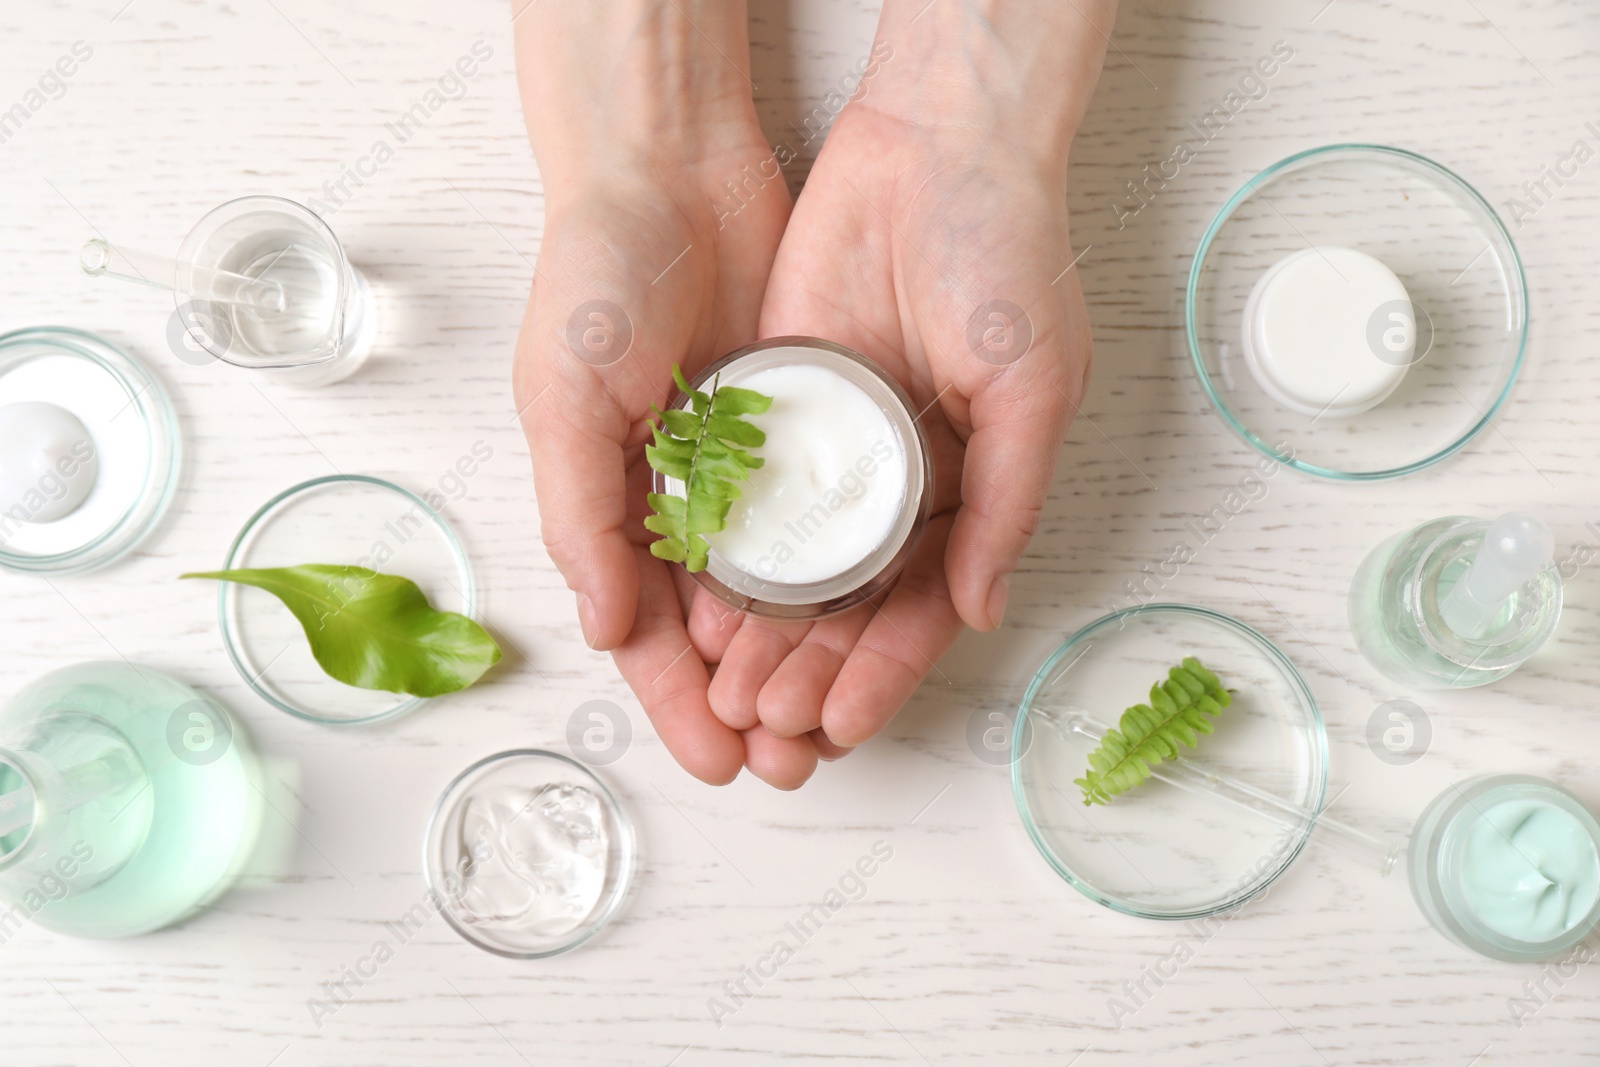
(965, 948)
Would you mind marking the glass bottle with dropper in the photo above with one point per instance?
(1457, 602)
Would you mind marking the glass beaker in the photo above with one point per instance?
(324, 331)
(260, 282)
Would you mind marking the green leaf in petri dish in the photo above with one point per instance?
(375, 631)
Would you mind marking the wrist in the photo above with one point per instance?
(633, 85)
(1012, 74)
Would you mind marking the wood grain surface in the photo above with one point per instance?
(965, 947)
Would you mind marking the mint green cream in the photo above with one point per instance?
(1530, 871)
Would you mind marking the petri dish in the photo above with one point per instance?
(137, 448)
(1468, 321)
(1158, 851)
(528, 854)
(346, 518)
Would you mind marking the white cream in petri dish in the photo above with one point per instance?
(47, 461)
(89, 451)
(1329, 332)
(843, 494)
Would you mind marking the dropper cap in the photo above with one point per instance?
(1516, 547)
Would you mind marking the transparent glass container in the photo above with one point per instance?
(529, 854)
(1394, 610)
(1438, 853)
(1162, 851)
(326, 328)
(135, 438)
(128, 801)
(751, 592)
(351, 519)
(1444, 242)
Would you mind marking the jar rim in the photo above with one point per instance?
(1448, 855)
(755, 595)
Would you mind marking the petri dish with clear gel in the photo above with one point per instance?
(1157, 851)
(1421, 371)
(349, 519)
(528, 854)
(89, 451)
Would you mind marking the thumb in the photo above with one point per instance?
(1019, 417)
(576, 433)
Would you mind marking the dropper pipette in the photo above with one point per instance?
(100, 258)
(1192, 777)
(1516, 547)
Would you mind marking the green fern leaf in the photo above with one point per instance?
(703, 447)
(1180, 710)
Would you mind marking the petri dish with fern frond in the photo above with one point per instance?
(1162, 851)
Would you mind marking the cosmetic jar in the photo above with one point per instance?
(844, 489)
(1508, 865)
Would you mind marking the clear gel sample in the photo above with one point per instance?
(830, 489)
(528, 853)
(544, 867)
(1530, 870)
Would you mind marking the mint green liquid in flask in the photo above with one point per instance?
(128, 802)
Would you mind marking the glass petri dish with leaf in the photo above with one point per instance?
(1160, 850)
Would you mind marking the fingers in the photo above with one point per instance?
(670, 681)
(782, 762)
(1019, 417)
(790, 703)
(712, 624)
(579, 480)
(907, 634)
(827, 751)
(753, 654)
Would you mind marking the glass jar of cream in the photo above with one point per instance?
(845, 487)
(1508, 865)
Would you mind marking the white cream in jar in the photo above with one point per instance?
(841, 496)
(831, 485)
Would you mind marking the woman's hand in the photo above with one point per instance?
(932, 237)
(646, 262)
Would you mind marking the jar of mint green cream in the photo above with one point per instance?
(1508, 865)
